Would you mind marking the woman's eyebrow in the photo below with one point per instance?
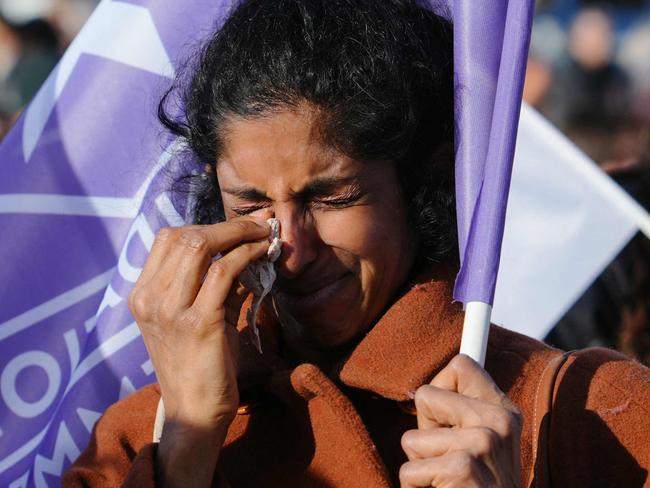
(315, 188)
(247, 193)
(328, 186)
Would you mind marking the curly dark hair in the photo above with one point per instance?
(380, 74)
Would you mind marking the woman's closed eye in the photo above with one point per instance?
(248, 209)
(318, 204)
(337, 203)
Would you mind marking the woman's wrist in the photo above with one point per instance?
(187, 454)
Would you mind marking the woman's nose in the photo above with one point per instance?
(299, 242)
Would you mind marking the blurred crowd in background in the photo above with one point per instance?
(588, 72)
(33, 36)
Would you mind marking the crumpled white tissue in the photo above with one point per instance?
(259, 277)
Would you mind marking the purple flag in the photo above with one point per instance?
(85, 174)
(82, 193)
(491, 40)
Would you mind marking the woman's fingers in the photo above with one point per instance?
(221, 276)
(181, 256)
(421, 444)
(454, 469)
(226, 235)
(480, 443)
(464, 394)
(441, 408)
(159, 250)
(213, 239)
(183, 270)
(465, 376)
(180, 304)
(468, 431)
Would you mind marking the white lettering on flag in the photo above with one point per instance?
(55, 305)
(111, 299)
(147, 367)
(83, 206)
(166, 207)
(72, 345)
(104, 351)
(126, 387)
(22, 451)
(64, 447)
(19, 406)
(88, 417)
(142, 229)
(20, 482)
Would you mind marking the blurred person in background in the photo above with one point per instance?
(9, 49)
(31, 54)
(547, 48)
(599, 99)
(590, 99)
(69, 16)
(38, 56)
(33, 35)
(633, 55)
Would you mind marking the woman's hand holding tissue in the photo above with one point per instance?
(187, 305)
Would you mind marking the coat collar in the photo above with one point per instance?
(396, 356)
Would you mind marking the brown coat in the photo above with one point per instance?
(307, 429)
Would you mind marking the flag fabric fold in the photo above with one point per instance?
(491, 42)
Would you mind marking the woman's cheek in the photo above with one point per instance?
(358, 230)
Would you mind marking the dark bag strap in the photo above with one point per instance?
(540, 471)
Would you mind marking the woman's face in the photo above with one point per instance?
(347, 245)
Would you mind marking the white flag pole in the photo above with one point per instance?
(476, 329)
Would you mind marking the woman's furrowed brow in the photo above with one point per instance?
(247, 193)
(327, 186)
(315, 188)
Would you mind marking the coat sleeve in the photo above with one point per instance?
(120, 451)
(600, 428)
